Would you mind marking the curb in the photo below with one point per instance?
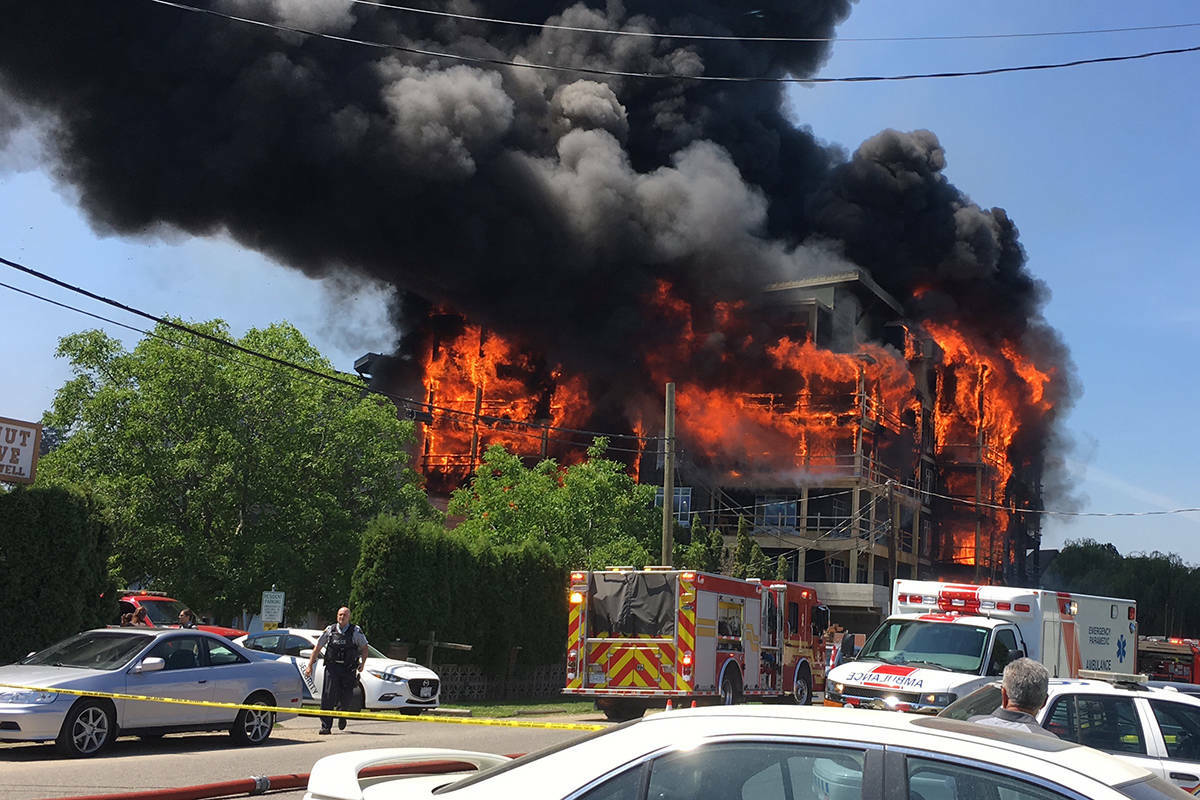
(442, 711)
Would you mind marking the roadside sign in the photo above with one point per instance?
(272, 608)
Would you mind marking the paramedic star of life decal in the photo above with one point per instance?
(1121, 648)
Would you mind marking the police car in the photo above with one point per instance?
(1156, 728)
(388, 684)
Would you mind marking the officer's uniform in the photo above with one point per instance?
(341, 650)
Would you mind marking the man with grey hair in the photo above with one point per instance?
(1022, 694)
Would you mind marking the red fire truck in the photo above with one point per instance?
(637, 638)
(1169, 659)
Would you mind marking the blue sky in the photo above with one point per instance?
(1097, 165)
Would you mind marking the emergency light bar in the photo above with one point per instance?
(1112, 677)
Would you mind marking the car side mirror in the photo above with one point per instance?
(306, 653)
(846, 653)
(151, 664)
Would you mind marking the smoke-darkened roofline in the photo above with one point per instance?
(859, 276)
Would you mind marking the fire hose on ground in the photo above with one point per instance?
(260, 784)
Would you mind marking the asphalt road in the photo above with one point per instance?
(37, 771)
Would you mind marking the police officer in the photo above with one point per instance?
(345, 647)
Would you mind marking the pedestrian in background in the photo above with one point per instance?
(141, 618)
(345, 648)
(1023, 693)
(187, 619)
(127, 619)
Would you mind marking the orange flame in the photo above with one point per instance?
(755, 408)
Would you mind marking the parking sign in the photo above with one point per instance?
(272, 608)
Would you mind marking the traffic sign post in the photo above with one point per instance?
(272, 609)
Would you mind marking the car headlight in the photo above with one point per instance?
(25, 697)
(385, 676)
(939, 699)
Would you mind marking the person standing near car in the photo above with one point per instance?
(1022, 694)
(187, 619)
(345, 648)
(140, 617)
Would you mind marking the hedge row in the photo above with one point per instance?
(54, 549)
(414, 577)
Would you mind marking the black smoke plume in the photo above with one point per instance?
(545, 205)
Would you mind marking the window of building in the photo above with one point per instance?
(683, 504)
(775, 512)
(838, 572)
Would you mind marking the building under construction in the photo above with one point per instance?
(857, 445)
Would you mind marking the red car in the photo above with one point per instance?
(164, 611)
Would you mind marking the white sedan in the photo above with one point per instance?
(759, 753)
(388, 684)
(173, 663)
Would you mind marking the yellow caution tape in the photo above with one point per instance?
(314, 712)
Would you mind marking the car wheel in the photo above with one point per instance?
(253, 725)
(88, 728)
(731, 688)
(802, 690)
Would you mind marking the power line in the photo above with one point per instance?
(781, 39)
(1048, 511)
(487, 420)
(501, 62)
(353, 384)
(155, 335)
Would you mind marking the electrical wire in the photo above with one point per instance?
(355, 382)
(782, 39)
(1048, 511)
(362, 388)
(154, 335)
(782, 79)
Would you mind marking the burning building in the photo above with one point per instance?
(841, 422)
(571, 218)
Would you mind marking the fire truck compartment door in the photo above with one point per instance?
(634, 666)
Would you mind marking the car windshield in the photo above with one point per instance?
(161, 611)
(943, 644)
(91, 650)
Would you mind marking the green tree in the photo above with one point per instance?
(760, 566)
(743, 552)
(591, 514)
(781, 568)
(225, 473)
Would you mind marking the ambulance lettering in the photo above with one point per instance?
(887, 676)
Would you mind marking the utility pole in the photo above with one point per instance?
(894, 513)
(668, 528)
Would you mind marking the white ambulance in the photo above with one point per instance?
(944, 640)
